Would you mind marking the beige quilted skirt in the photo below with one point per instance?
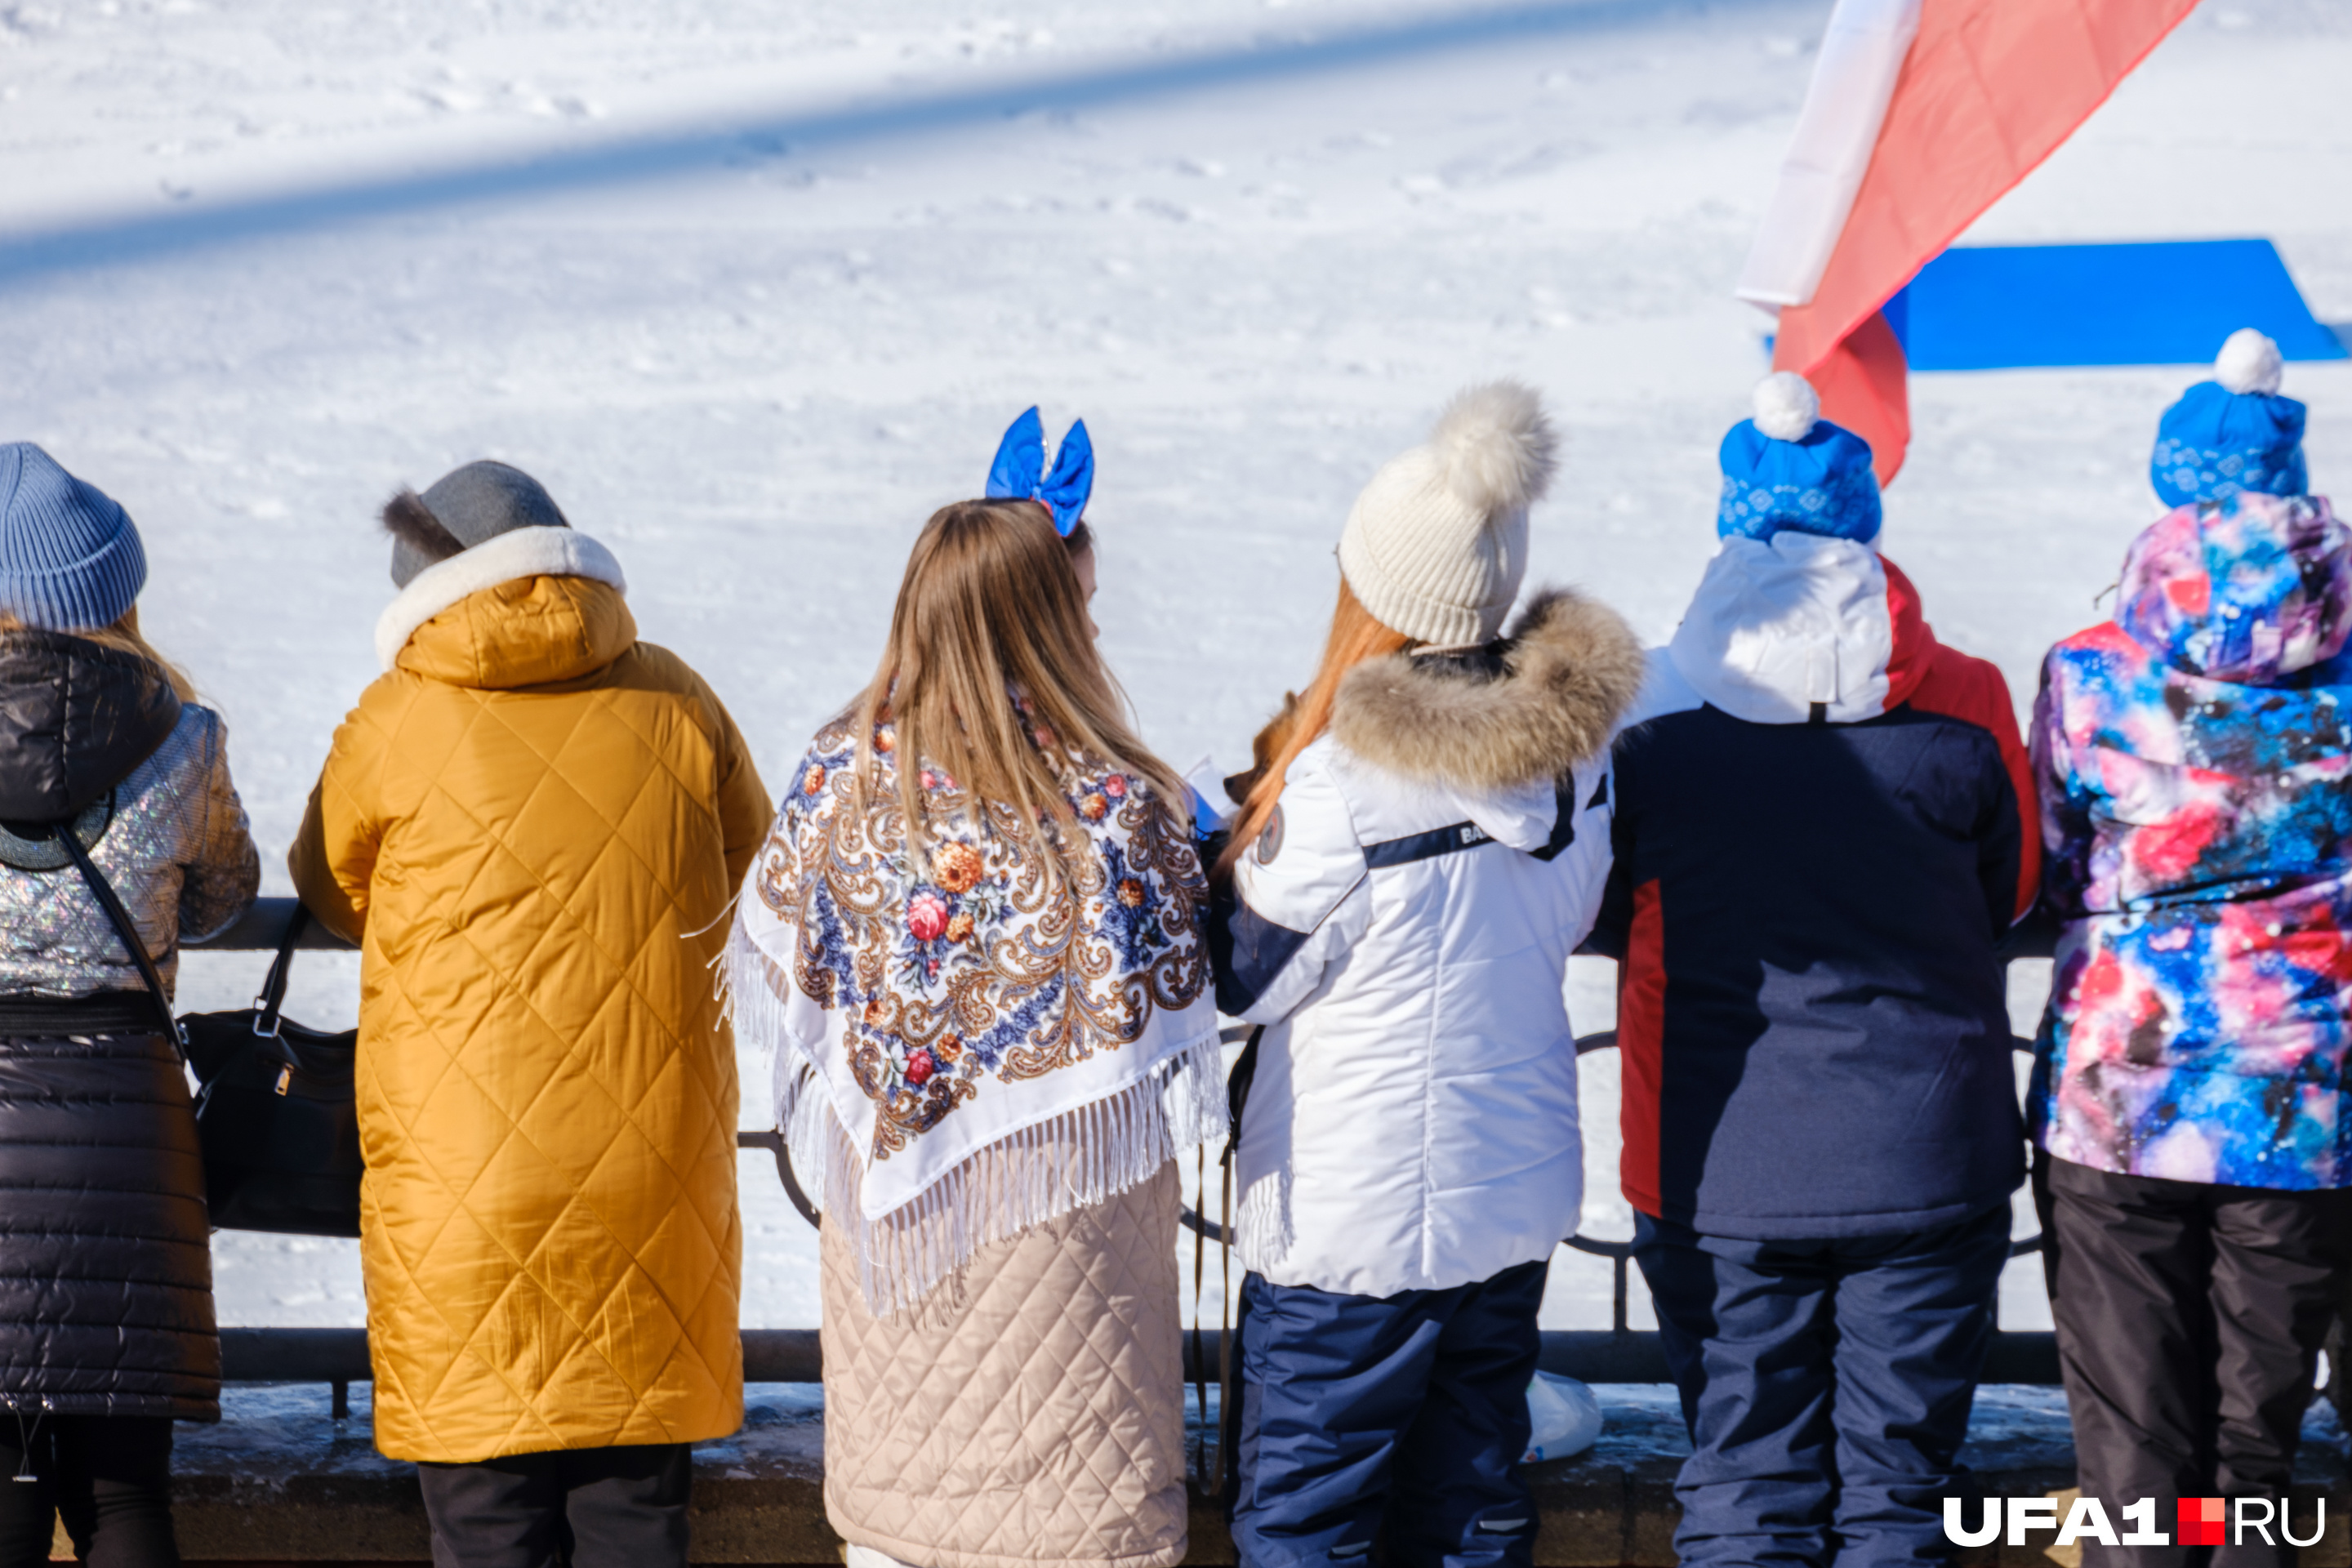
(1029, 1411)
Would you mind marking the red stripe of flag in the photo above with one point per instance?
(1989, 89)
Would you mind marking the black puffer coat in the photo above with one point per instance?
(106, 1302)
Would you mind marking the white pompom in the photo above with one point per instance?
(1787, 407)
(2249, 362)
(1496, 446)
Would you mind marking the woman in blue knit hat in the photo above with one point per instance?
(1822, 828)
(2188, 1094)
(106, 1306)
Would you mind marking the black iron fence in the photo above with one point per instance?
(1619, 1353)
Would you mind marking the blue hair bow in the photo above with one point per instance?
(1019, 472)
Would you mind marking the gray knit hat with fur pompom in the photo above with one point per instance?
(463, 507)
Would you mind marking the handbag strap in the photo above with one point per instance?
(103, 890)
(272, 1000)
(1237, 1092)
(1215, 1451)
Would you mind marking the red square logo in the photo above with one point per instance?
(2200, 1520)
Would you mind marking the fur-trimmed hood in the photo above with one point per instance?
(1530, 708)
(523, 552)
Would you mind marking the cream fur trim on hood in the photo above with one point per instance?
(521, 552)
(1569, 671)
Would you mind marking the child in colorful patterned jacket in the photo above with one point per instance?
(2192, 756)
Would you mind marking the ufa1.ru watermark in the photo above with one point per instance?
(2200, 1520)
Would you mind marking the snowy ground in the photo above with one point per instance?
(754, 295)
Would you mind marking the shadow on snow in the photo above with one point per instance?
(26, 255)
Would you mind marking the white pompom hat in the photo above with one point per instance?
(1437, 543)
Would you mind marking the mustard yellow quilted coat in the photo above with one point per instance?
(531, 825)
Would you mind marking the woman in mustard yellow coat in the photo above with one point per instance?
(531, 824)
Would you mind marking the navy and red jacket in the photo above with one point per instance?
(1824, 823)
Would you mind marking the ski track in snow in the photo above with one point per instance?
(1256, 274)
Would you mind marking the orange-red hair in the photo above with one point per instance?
(1355, 638)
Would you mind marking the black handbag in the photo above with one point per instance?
(276, 1106)
(277, 1112)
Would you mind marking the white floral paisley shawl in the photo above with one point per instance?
(944, 1023)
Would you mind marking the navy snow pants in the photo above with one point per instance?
(1826, 1385)
(1405, 1414)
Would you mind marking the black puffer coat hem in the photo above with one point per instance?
(203, 1411)
(106, 1304)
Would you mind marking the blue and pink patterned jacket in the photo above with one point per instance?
(2194, 760)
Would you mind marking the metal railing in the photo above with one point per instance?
(339, 1358)
(1620, 1353)
(263, 927)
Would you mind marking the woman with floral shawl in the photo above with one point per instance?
(974, 942)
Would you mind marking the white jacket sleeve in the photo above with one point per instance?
(1298, 903)
(1585, 862)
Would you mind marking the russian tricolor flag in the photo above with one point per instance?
(1922, 113)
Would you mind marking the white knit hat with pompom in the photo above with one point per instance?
(1437, 543)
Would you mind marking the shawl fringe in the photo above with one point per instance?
(1031, 1177)
(1262, 1224)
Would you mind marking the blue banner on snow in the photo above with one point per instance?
(2000, 307)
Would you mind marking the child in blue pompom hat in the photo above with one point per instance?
(2233, 435)
(1823, 826)
(1788, 468)
(2192, 1101)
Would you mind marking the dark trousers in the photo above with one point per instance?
(589, 1507)
(1826, 1385)
(1406, 1413)
(109, 1476)
(2190, 1320)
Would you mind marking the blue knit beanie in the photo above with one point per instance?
(1790, 467)
(2233, 432)
(71, 559)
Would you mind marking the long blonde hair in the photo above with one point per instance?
(1355, 638)
(124, 637)
(991, 677)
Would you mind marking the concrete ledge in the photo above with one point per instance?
(280, 1480)
(1616, 1504)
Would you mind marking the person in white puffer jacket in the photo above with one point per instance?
(1423, 848)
